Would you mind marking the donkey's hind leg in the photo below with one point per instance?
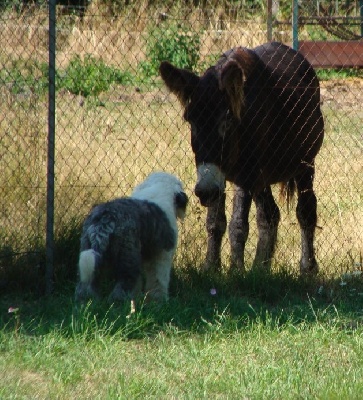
(307, 216)
(268, 218)
(216, 225)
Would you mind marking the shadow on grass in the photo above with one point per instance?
(25, 271)
(199, 302)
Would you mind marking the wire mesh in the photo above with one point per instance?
(116, 122)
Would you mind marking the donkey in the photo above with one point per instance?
(255, 121)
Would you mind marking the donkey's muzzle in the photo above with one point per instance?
(207, 197)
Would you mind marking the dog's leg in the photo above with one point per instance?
(126, 263)
(138, 287)
(157, 277)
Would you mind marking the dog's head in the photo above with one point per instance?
(165, 190)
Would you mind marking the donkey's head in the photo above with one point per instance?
(213, 106)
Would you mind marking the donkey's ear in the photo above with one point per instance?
(179, 81)
(231, 80)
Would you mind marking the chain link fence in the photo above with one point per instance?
(116, 123)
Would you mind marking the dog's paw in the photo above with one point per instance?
(85, 292)
(118, 294)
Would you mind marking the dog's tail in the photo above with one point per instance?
(98, 236)
(89, 261)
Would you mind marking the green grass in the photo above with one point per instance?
(340, 73)
(270, 337)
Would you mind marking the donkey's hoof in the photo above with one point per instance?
(237, 265)
(211, 265)
(309, 267)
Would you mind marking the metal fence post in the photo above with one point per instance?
(269, 20)
(51, 150)
(361, 17)
(295, 27)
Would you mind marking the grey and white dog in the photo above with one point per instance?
(137, 237)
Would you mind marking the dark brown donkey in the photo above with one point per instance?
(255, 120)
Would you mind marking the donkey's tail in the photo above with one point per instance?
(287, 191)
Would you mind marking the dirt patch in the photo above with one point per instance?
(342, 94)
(345, 94)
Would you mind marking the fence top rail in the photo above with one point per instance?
(330, 54)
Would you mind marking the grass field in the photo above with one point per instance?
(260, 336)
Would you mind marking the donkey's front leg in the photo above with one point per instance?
(239, 227)
(216, 225)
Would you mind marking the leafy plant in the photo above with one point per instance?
(176, 44)
(90, 77)
(22, 76)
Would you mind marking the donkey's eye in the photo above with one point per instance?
(226, 123)
(222, 127)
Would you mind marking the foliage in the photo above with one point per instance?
(87, 77)
(90, 76)
(23, 77)
(342, 73)
(176, 44)
(7, 4)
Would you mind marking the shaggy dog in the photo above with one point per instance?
(136, 236)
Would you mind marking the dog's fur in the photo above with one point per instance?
(137, 237)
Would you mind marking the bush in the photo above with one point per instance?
(178, 45)
(90, 77)
(24, 77)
